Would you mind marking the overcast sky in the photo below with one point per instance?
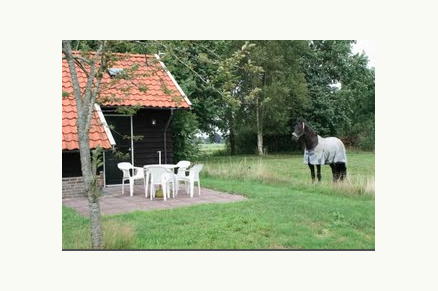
(367, 46)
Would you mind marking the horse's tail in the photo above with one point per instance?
(345, 154)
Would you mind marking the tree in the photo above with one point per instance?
(85, 103)
(282, 92)
(326, 64)
(93, 61)
(231, 75)
(358, 85)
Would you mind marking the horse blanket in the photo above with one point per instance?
(329, 150)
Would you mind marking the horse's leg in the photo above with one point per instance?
(312, 172)
(337, 171)
(318, 172)
(333, 167)
(343, 171)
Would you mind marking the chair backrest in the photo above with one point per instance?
(125, 167)
(183, 164)
(195, 171)
(156, 173)
(182, 168)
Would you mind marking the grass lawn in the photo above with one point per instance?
(283, 210)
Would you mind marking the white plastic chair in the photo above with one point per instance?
(167, 179)
(138, 173)
(161, 176)
(192, 178)
(181, 173)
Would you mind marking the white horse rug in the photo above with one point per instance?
(329, 150)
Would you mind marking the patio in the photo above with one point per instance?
(113, 202)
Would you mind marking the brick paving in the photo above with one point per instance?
(113, 202)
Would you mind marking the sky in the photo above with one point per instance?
(367, 46)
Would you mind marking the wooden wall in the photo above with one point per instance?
(145, 151)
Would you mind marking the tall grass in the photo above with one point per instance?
(289, 170)
(116, 234)
(243, 170)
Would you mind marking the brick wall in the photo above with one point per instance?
(74, 186)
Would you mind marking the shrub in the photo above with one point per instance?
(184, 128)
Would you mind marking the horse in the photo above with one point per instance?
(321, 151)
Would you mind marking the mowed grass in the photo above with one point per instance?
(284, 210)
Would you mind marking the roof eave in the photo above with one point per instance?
(173, 80)
(105, 125)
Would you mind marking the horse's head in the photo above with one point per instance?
(298, 129)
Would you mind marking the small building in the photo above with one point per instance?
(141, 138)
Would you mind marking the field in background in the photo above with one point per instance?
(211, 148)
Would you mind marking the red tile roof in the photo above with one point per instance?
(150, 85)
(98, 135)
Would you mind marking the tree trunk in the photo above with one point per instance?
(91, 192)
(232, 137)
(259, 130)
(84, 104)
(260, 144)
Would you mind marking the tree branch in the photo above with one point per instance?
(66, 48)
(90, 98)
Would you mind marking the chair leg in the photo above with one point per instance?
(123, 187)
(131, 187)
(192, 186)
(164, 188)
(199, 188)
(176, 187)
(152, 191)
(146, 186)
(169, 190)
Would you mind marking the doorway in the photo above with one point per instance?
(121, 129)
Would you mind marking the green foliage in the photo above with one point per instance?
(366, 136)
(128, 110)
(184, 130)
(120, 156)
(143, 88)
(244, 87)
(232, 84)
(65, 94)
(342, 91)
(326, 64)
